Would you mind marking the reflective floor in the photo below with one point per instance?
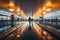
(28, 31)
(29, 19)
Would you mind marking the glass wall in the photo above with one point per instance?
(5, 22)
(53, 19)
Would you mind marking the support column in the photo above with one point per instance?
(12, 20)
(56, 21)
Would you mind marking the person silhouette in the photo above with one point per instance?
(29, 24)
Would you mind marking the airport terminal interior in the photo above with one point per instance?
(29, 19)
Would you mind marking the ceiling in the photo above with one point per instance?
(29, 6)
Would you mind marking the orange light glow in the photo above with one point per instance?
(18, 13)
(48, 9)
(37, 29)
(44, 32)
(11, 4)
(11, 35)
(39, 11)
(44, 13)
(21, 30)
(43, 8)
(18, 9)
(23, 14)
(48, 3)
(18, 36)
(55, 5)
(11, 10)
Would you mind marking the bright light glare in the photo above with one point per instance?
(18, 9)
(48, 9)
(11, 10)
(11, 3)
(48, 3)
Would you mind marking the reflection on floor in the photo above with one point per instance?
(28, 31)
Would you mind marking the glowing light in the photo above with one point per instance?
(48, 9)
(18, 13)
(44, 13)
(48, 3)
(18, 9)
(11, 9)
(11, 4)
(18, 36)
(39, 11)
(44, 8)
(22, 12)
(37, 29)
(44, 32)
(11, 35)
